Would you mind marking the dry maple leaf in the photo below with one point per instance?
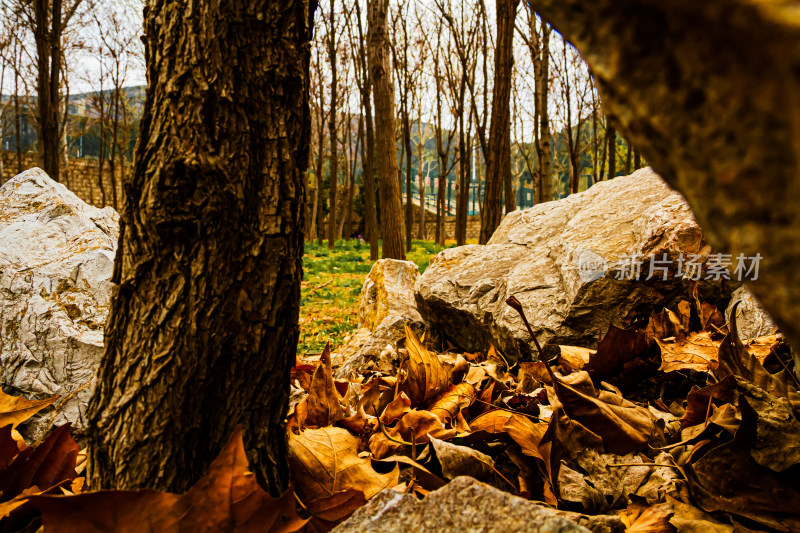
(696, 351)
(325, 461)
(227, 498)
(426, 377)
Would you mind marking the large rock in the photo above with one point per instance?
(464, 504)
(56, 260)
(535, 255)
(710, 93)
(386, 306)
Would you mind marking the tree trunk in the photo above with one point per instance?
(47, 36)
(334, 157)
(612, 151)
(544, 118)
(386, 148)
(203, 325)
(498, 164)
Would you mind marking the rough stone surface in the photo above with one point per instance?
(388, 290)
(56, 259)
(387, 304)
(678, 78)
(534, 255)
(752, 319)
(464, 504)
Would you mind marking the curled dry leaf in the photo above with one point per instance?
(575, 357)
(227, 498)
(452, 401)
(521, 429)
(325, 461)
(47, 465)
(16, 409)
(396, 409)
(623, 426)
(735, 360)
(461, 461)
(322, 403)
(413, 428)
(426, 377)
(640, 518)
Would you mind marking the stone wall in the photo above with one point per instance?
(79, 176)
(473, 226)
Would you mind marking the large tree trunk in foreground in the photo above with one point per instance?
(498, 163)
(203, 326)
(718, 119)
(385, 146)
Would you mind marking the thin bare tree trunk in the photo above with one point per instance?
(498, 163)
(386, 148)
(334, 156)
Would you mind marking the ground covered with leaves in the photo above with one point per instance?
(671, 425)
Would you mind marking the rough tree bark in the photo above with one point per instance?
(498, 156)
(385, 146)
(203, 325)
(695, 119)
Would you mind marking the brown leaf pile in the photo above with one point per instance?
(647, 427)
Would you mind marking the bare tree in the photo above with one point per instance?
(498, 171)
(383, 92)
(48, 22)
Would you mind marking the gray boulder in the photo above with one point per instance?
(464, 504)
(561, 260)
(56, 261)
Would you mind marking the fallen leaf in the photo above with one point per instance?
(688, 519)
(522, 430)
(16, 409)
(325, 461)
(322, 402)
(327, 512)
(396, 409)
(735, 360)
(696, 351)
(575, 357)
(426, 375)
(461, 461)
(47, 465)
(623, 426)
(726, 478)
(227, 498)
(452, 401)
(640, 518)
(617, 347)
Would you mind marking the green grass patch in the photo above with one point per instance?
(332, 281)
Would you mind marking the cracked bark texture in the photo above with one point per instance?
(710, 94)
(203, 326)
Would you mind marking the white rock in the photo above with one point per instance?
(56, 261)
